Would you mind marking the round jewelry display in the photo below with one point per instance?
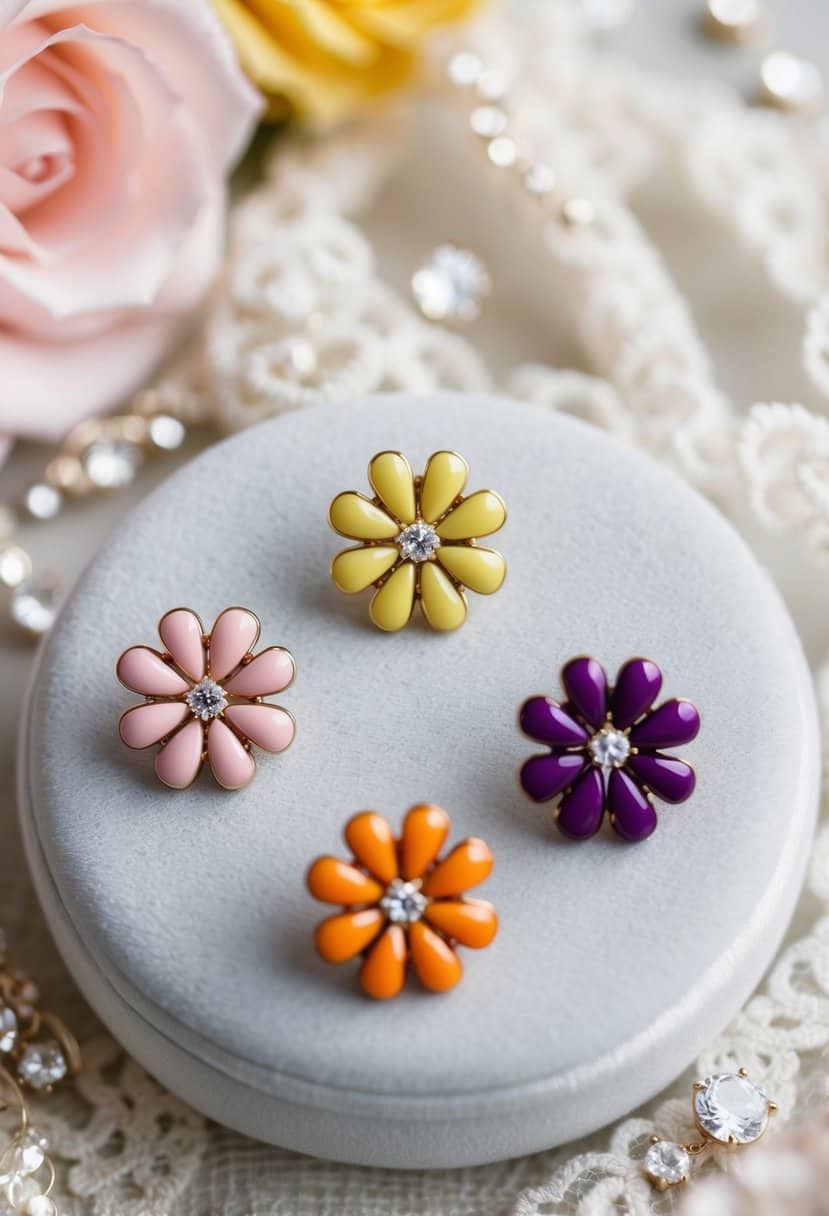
(183, 914)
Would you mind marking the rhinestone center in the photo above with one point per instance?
(403, 902)
(418, 541)
(207, 699)
(610, 748)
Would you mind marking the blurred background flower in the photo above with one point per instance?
(322, 60)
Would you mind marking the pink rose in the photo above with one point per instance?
(119, 120)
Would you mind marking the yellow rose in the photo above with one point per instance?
(324, 59)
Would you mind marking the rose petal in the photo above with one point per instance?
(637, 687)
(544, 719)
(383, 973)
(232, 764)
(586, 685)
(580, 812)
(436, 963)
(232, 637)
(268, 726)
(631, 811)
(179, 761)
(144, 725)
(268, 673)
(542, 777)
(670, 779)
(672, 724)
(181, 631)
(143, 670)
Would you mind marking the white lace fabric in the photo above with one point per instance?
(304, 315)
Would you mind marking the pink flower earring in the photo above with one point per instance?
(204, 698)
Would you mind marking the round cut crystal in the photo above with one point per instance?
(111, 463)
(610, 748)
(418, 541)
(452, 285)
(207, 699)
(667, 1163)
(403, 903)
(42, 1065)
(8, 1029)
(731, 1109)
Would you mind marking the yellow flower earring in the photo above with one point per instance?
(418, 541)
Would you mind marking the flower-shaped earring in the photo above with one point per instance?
(204, 697)
(401, 904)
(606, 749)
(418, 541)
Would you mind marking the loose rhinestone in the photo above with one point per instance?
(166, 432)
(43, 501)
(452, 285)
(15, 566)
(791, 83)
(403, 903)
(111, 463)
(8, 1029)
(610, 748)
(731, 1109)
(418, 542)
(667, 1164)
(42, 1065)
(488, 121)
(207, 699)
(35, 603)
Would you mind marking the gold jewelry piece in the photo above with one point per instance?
(35, 1045)
(730, 1111)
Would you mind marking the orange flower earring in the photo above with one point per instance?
(402, 905)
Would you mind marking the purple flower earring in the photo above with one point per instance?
(605, 749)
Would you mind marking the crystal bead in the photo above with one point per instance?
(452, 285)
(35, 603)
(27, 1156)
(488, 121)
(791, 83)
(207, 699)
(418, 541)
(731, 1109)
(503, 152)
(403, 903)
(111, 463)
(667, 1164)
(42, 501)
(41, 1205)
(21, 1191)
(609, 748)
(465, 69)
(8, 1028)
(166, 432)
(15, 566)
(42, 1065)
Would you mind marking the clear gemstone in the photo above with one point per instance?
(166, 432)
(452, 285)
(731, 1109)
(8, 1029)
(15, 566)
(41, 1205)
(790, 82)
(418, 541)
(610, 748)
(35, 603)
(403, 903)
(42, 1065)
(21, 1192)
(207, 699)
(43, 501)
(667, 1163)
(111, 463)
(28, 1154)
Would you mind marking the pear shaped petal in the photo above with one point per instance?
(357, 517)
(469, 863)
(478, 515)
(383, 973)
(391, 478)
(268, 726)
(436, 963)
(178, 762)
(370, 839)
(338, 882)
(232, 764)
(266, 674)
(355, 569)
(143, 670)
(470, 922)
(346, 934)
(182, 632)
(444, 606)
(233, 636)
(146, 724)
(481, 570)
(443, 481)
(391, 607)
(425, 829)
